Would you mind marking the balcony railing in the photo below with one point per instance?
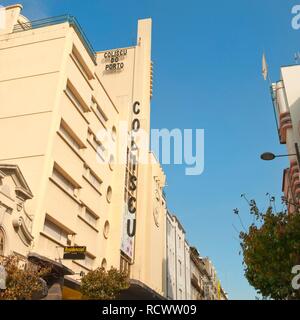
(58, 20)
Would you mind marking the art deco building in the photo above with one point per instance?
(76, 168)
(69, 120)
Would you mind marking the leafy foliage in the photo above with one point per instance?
(100, 284)
(23, 279)
(271, 247)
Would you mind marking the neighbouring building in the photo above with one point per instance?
(178, 261)
(15, 222)
(211, 286)
(223, 294)
(286, 101)
(68, 120)
(199, 276)
(205, 284)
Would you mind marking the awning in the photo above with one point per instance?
(139, 291)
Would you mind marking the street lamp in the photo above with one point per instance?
(268, 156)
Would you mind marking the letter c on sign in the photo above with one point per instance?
(135, 110)
(131, 206)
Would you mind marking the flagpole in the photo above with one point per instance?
(269, 79)
(266, 71)
(274, 106)
(274, 110)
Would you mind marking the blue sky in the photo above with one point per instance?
(207, 74)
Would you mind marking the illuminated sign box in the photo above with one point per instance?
(74, 253)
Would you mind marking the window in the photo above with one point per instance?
(88, 261)
(104, 263)
(1, 243)
(101, 152)
(63, 181)
(75, 98)
(109, 194)
(55, 232)
(66, 132)
(97, 145)
(99, 112)
(81, 64)
(93, 179)
(106, 229)
(180, 268)
(90, 217)
(114, 133)
(179, 242)
(111, 162)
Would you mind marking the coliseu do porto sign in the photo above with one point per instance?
(115, 60)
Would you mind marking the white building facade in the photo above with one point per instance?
(178, 261)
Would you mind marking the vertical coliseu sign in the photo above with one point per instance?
(130, 197)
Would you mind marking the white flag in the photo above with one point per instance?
(264, 67)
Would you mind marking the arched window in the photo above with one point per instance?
(104, 263)
(1, 243)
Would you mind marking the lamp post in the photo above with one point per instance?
(268, 156)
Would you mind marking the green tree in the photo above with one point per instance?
(100, 284)
(271, 248)
(23, 278)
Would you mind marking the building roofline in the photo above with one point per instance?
(113, 49)
(71, 20)
(18, 172)
(16, 5)
(289, 66)
(179, 223)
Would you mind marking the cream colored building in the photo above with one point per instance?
(65, 117)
